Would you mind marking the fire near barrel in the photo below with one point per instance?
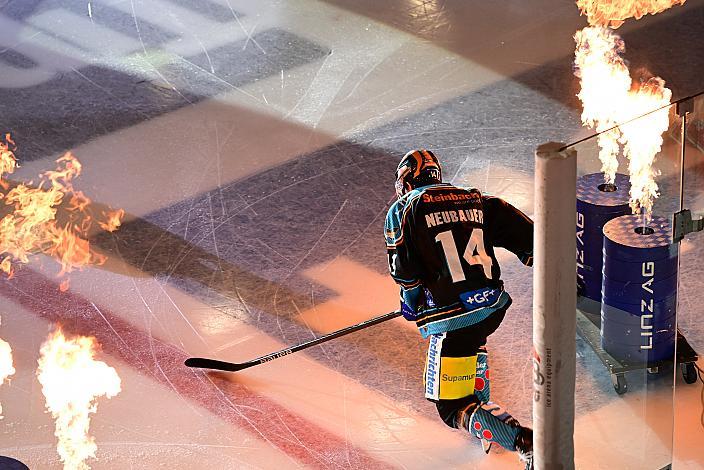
(639, 289)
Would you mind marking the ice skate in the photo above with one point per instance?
(524, 447)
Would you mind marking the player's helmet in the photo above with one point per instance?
(417, 168)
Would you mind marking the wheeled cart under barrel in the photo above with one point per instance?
(588, 328)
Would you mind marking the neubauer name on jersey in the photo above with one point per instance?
(446, 217)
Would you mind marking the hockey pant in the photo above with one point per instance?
(457, 379)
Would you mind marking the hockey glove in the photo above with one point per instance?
(410, 302)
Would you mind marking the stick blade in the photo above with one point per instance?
(204, 363)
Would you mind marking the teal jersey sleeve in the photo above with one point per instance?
(399, 241)
(511, 228)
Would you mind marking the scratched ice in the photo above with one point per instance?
(253, 146)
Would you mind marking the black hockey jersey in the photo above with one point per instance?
(440, 241)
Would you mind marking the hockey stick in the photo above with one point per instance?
(204, 363)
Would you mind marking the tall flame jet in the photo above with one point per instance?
(71, 381)
(611, 97)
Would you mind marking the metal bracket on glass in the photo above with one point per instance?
(684, 107)
(684, 224)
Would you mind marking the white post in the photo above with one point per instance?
(554, 303)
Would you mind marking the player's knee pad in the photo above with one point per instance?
(491, 423)
(453, 378)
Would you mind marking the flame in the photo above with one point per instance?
(71, 381)
(605, 82)
(642, 141)
(610, 97)
(614, 13)
(6, 367)
(8, 162)
(113, 220)
(32, 226)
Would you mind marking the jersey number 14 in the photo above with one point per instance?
(474, 245)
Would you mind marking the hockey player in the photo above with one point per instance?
(440, 241)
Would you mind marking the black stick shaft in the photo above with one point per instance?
(204, 363)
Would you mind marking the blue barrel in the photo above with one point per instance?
(639, 290)
(626, 292)
(633, 271)
(631, 314)
(589, 285)
(631, 353)
(631, 333)
(597, 203)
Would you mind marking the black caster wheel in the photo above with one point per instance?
(619, 382)
(689, 372)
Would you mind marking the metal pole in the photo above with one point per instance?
(554, 307)
(681, 109)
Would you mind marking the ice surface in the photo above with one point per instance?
(253, 146)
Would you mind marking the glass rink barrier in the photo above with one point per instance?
(638, 262)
